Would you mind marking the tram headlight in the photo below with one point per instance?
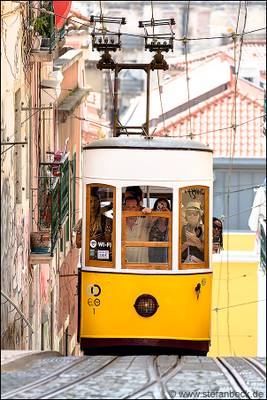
(146, 305)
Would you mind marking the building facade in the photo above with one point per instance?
(42, 94)
(15, 184)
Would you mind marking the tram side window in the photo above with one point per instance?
(146, 231)
(100, 225)
(193, 226)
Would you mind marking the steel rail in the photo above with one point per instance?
(234, 378)
(55, 392)
(256, 365)
(40, 382)
(158, 379)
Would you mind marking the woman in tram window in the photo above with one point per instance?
(193, 234)
(100, 225)
(159, 233)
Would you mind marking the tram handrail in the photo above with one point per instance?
(159, 214)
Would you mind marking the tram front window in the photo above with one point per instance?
(146, 229)
(99, 233)
(146, 232)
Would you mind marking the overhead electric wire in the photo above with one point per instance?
(138, 35)
(186, 69)
(238, 305)
(75, 116)
(238, 16)
(91, 121)
(161, 105)
(105, 30)
(227, 209)
(228, 36)
(232, 147)
(246, 210)
(237, 191)
(10, 147)
(158, 80)
(220, 129)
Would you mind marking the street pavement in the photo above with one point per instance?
(127, 377)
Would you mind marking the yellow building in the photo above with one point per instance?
(236, 298)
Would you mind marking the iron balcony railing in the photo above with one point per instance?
(53, 205)
(64, 189)
(49, 41)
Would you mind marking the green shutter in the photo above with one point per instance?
(74, 190)
(64, 191)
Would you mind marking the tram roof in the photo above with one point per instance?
(133, 142)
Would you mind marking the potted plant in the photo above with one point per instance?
(41, 241)
(41, 29)
(37, 36)
(41, 25)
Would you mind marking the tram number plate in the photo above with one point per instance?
(103, 254)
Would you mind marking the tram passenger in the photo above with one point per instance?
(193, 234)
(100, 225)
(137, 229)
(100, 230)
(135, 191)
(217, 236)
(159, 233)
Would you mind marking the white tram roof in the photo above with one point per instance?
(127, 159)
(142, 142)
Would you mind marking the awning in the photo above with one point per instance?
(61, 8)
(69, 103)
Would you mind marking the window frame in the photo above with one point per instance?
(205, 263)
(88, 261)
(126, 243)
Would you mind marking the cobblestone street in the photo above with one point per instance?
(130, 377)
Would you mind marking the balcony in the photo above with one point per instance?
(47, 39)
(53, 204)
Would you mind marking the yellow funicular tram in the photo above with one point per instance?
(145, 278)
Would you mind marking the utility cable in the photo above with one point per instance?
(246, 210)
(79, 118)
(237, 191)
(185, 41)
(232, 151)
(238, 305)
(158, 79)
(138, 35)
(4, 151)
(220, 129)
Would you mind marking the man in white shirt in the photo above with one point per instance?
(136, 230)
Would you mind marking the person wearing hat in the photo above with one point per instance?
(192, 234)
(217, 235)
